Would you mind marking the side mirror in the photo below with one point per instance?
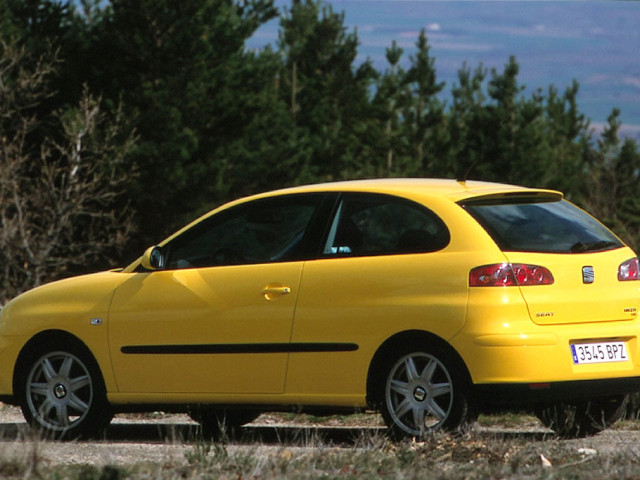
(153, 259)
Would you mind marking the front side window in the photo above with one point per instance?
(542, 226)
(366, 225)
(262, 231)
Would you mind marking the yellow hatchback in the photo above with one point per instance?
(430, 300)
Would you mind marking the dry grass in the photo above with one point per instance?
(507, 446)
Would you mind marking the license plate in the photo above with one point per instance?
(599, 352)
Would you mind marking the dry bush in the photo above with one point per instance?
(62, 178)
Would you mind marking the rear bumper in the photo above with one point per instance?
(501, 345)
(525, 395)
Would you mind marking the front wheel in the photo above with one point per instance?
(63, 395)
(425, 392)
(583, 418)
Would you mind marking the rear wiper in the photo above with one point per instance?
(580, 247)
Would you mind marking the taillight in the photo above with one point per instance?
(629, 270)
(509, 275)
(532, 274)
(498, 275)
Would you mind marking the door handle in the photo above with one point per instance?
(272, 291)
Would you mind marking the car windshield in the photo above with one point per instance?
(554, 226)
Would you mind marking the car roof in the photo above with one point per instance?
(448, 188)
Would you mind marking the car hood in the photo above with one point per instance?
(62, 301)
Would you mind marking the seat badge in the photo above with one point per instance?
(588, 275)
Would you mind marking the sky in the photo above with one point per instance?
(596, 43)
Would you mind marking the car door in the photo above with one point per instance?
(218, 318)
(384, 268)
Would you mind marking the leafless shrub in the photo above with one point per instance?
(62, 178)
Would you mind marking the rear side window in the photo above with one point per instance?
(542, 226)
(369, 224)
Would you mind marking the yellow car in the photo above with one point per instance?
(430, 300)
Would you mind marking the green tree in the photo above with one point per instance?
(611, 180)
(423, 118)
(182, 68)
(387, 155)
(465, 121)
(36, 24)
(566, 135)
(510, 129)
(327, 98)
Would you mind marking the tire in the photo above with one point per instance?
(582, 419)
(219, 422)
(425, 391)
(62, 394)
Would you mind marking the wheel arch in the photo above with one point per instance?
(400, 340)
(50, 340)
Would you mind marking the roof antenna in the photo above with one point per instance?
(463, 178)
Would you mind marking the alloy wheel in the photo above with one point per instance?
(59, 391)
(419, 393)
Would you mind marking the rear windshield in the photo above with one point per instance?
(554, 226)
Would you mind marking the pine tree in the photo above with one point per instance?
(465, 122)
(566, 135)
(389, 151)
(423, 119)
(612, 177)
(327, 97)
(182, 69)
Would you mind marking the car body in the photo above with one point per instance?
(428, 299)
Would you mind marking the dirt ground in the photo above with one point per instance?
(165, 439)
(155, 438)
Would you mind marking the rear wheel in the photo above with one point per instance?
(425, 391)
(581, 419)
(62, 394)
